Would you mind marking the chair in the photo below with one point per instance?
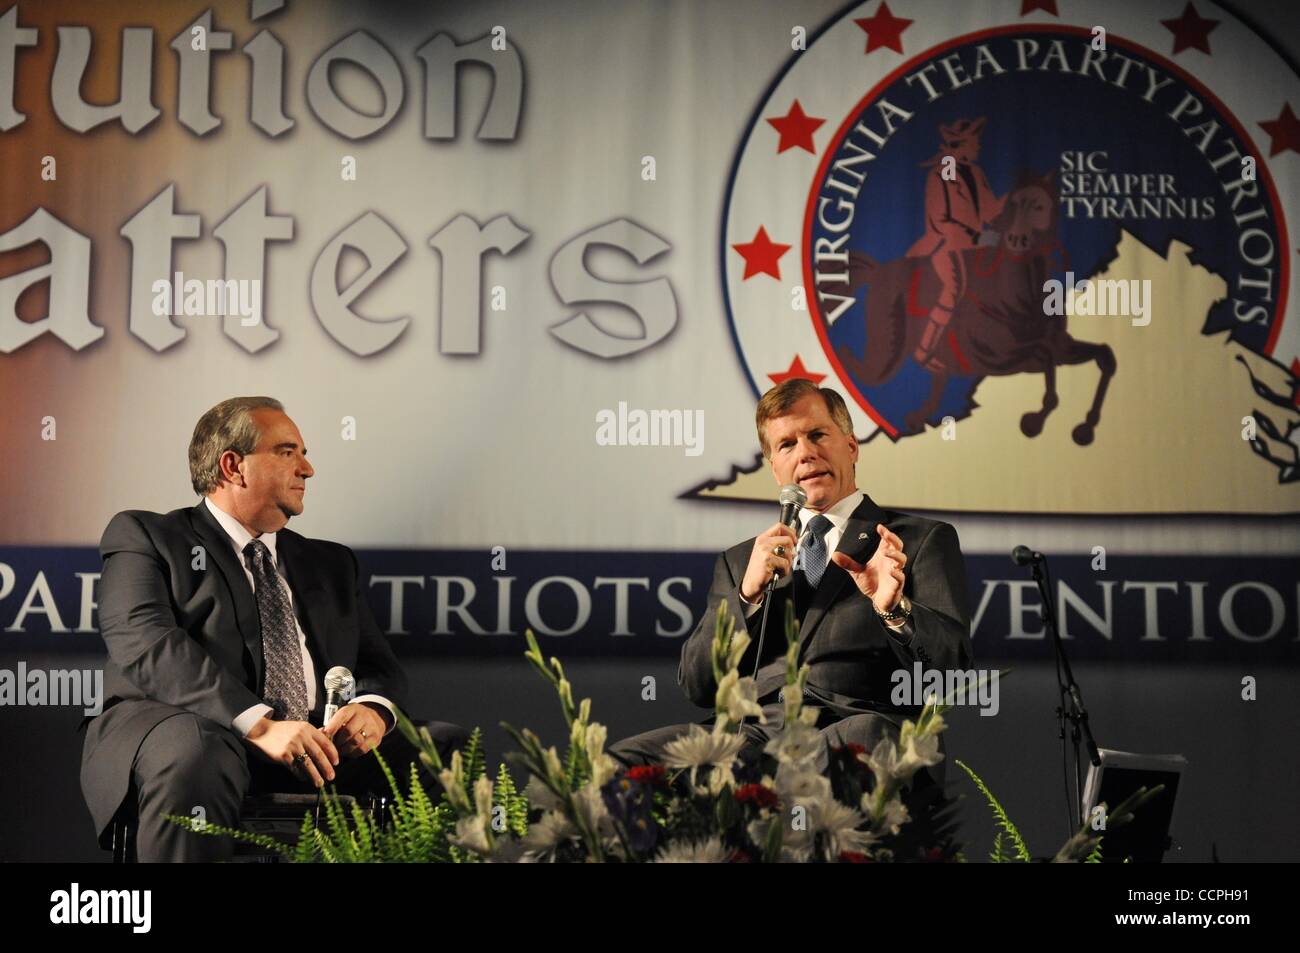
(277, 815)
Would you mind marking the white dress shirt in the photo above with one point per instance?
(839, 517)
(239, 538)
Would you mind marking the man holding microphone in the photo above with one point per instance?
(874, 590)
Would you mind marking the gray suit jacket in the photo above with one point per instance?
(190, 639)
(850, 654)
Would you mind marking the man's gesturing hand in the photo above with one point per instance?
(298, 745)
(881, 579)
(356, 729)
(765, 560)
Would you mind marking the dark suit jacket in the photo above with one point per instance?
(850, 655)
(180, 637)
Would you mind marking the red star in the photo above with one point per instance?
(1047, 6)
(761, 255)
(1191, 30)
(884, 29)
(796, 129)
(1284, 131)
(796, 370)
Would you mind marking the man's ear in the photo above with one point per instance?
(229, 464)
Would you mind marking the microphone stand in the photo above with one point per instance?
(762, 623)
(1071, 699)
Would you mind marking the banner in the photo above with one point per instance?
(520, 285)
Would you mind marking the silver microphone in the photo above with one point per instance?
(339, 686)
(792, 500)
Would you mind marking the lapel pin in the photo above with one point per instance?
(862, 535)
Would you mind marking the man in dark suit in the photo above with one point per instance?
(220, 625)
(874, 590)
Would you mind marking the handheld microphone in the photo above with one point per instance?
(339, 686)
(1024, 556)
(792, 500)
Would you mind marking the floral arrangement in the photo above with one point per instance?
(708, 801)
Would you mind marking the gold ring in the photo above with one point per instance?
(779, 550)
(363, 733)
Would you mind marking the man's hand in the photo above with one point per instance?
(297, 745)
(764, 560)
(356, 729)
(881, 579)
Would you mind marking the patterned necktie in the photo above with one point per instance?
(813, 556)
(286, 685)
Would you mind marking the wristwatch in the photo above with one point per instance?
(900, 613)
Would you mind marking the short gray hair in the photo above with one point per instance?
(227, 426)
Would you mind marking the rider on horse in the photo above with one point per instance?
(956, 210)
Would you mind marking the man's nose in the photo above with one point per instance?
(307, 469)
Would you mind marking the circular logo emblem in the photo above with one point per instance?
(915, 211)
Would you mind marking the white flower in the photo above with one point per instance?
(603, 767)
(838, 824)
(804, 787)
(892, 816)
(736, 650)
(883, 760)
(738, 698)
(471, 834)
(708, 851)
(453, 782)
(918, 753)
(551, 761)
(798, 743)
(591, 810)
(547, 833)
(699, 748)
(539, 795)
(483, 797)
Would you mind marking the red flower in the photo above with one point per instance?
(851, 750)
(652, 774)
(853, 857)
(740, 857)
(758, 795)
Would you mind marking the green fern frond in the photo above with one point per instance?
(1095, 856)
(1022, 852)
(336, 823)
(265, 841)
(506, 793)
(305, 851)
(475, 761)
(998, 855)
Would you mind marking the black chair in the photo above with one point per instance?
(276, 815)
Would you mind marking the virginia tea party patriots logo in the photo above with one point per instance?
(1064, 241)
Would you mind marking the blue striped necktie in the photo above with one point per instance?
(813, 555)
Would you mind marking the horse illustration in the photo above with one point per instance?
(999, 326)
